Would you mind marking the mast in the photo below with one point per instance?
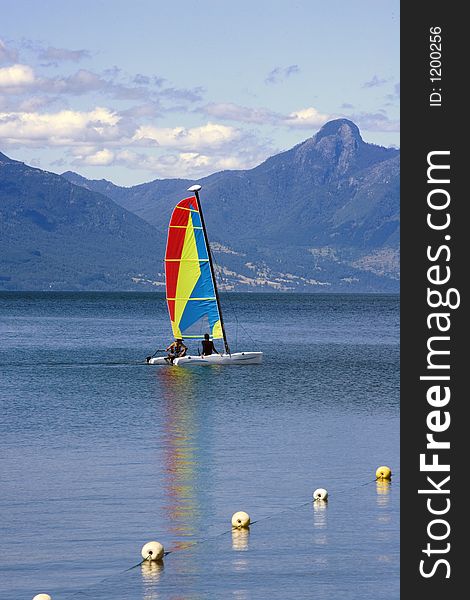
(195, 189)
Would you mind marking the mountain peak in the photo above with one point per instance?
(342, 128)
(338, 149)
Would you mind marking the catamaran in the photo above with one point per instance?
(191, 289)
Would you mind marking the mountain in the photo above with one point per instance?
(58, 236)
(322, 216)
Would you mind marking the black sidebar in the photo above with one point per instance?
(434, 297)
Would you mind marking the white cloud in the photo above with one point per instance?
(306, 118)
(100, 158)
(170, 162)
(16, 77)
(63, 128)
(102, 137)
(21, 79)
(182, 164)
(211, 135)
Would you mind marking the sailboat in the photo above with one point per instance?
(191, 288)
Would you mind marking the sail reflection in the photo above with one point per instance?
(185, 440)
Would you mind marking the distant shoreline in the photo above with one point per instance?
(162, 293)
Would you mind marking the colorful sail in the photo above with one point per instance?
(190, 291)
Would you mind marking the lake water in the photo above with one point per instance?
(101, 453)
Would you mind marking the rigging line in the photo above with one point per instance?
(256, 343)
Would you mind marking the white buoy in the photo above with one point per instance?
(320, 494)
(152, 551)
(42, 597)
(240, 519)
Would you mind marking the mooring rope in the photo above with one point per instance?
(191, 544)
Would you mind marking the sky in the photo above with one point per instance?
(143, 90)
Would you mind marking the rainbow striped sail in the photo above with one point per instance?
(190, 290)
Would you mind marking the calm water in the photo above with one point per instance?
(101, 453)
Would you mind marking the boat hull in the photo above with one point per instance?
(237, 358)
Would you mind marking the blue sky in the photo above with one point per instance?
(136, 91)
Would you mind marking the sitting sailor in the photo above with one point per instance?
(208, 346)
(176, 349)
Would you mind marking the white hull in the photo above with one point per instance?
(237, 358)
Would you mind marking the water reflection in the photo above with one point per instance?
(240, 594)
(240, 539)
(151, 572)
(186, 441)
(384, 517)
(320, 522)
(383, 492)
(383, 501)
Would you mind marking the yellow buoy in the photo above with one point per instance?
(320, 494)
(42, 597)
(240, 519)
(383, 473)
(152, 551)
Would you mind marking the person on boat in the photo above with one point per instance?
(208, 346)
(176, 349)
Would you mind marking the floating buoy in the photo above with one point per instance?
(152, 551)
(383, 473)
(320, 494)
(240, 519)
(42, 597)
